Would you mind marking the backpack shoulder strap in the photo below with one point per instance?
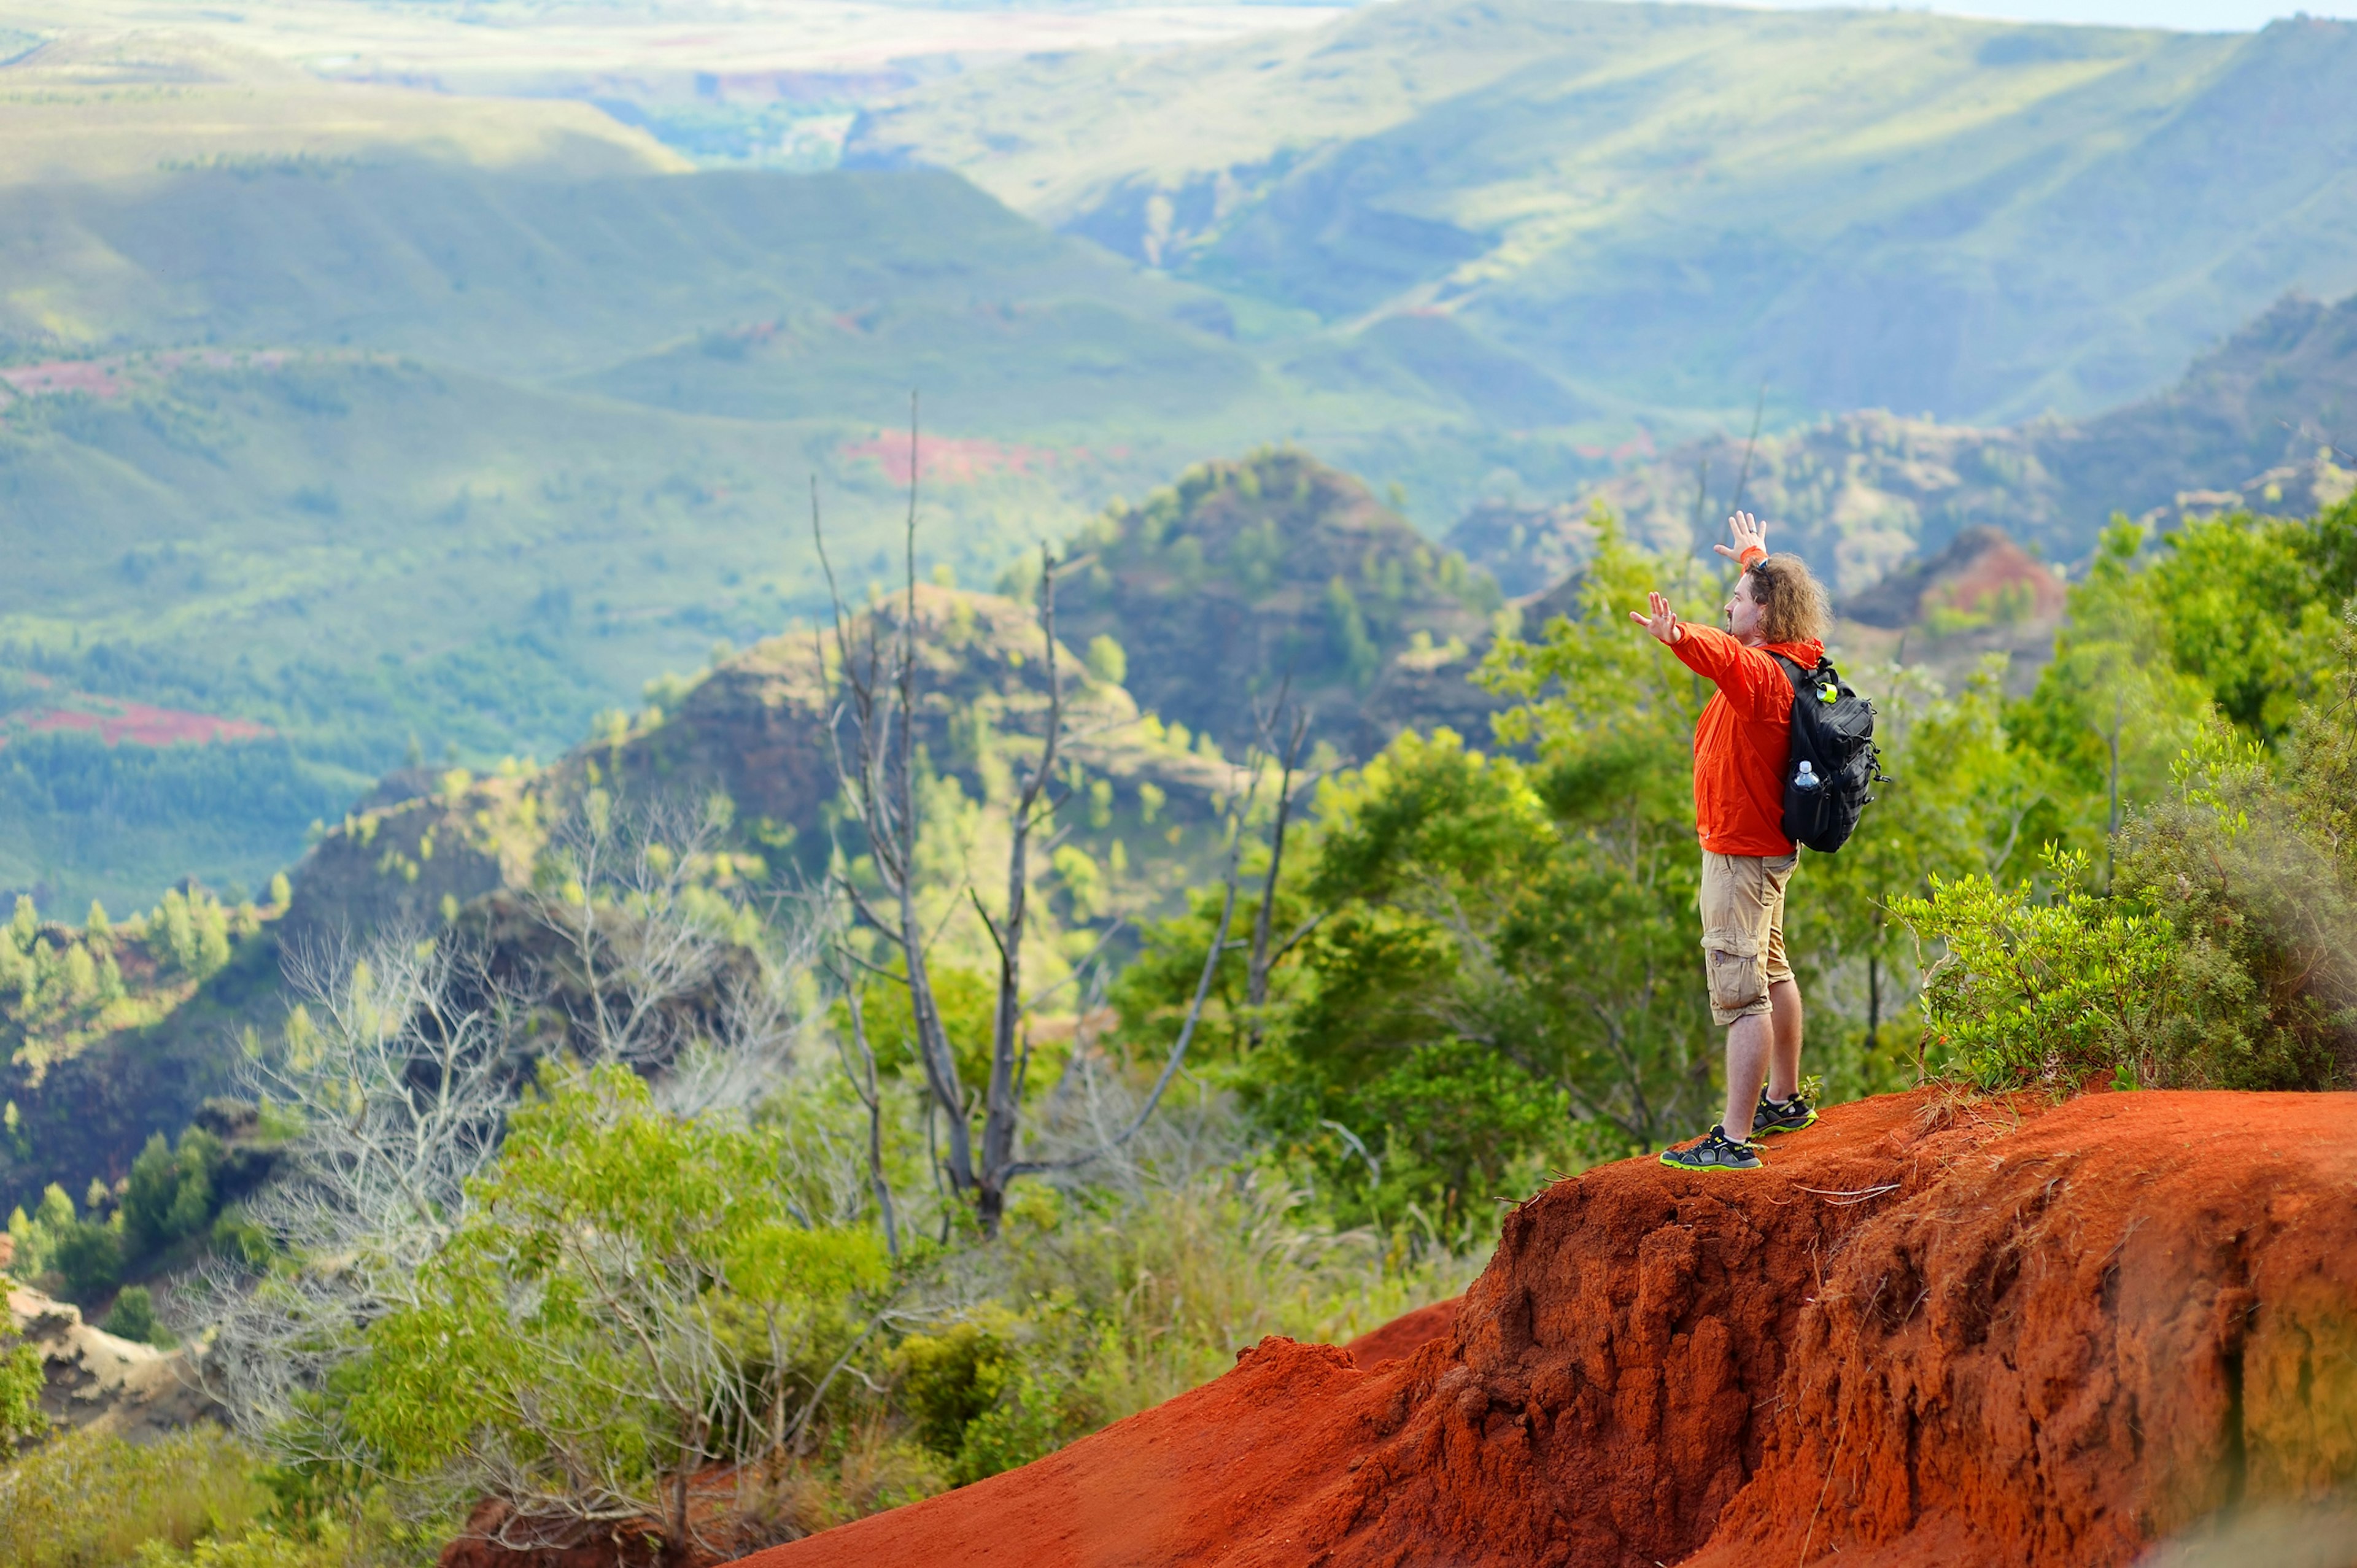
(1792, 671)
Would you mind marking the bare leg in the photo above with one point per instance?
(1749, 1042)
(1784, 1060)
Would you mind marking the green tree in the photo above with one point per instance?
(1962, 800)
(1346, 629)
(2251, 607)
(629, 1310)
(133, 1316)
(170, 1195)
(2112, 711)
(89, 1254)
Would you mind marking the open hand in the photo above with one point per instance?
(1750, 533)
(1663, 621)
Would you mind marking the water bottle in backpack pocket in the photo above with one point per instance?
(1834, 764)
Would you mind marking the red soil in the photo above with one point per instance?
(1404, 1334)
(1925, 1335)
(955, 460)
(142, 725)
(620, 1547)
(1982, 584)
(107, 378)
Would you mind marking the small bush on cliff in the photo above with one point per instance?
(133, 1316)
(2044, 988)
(2221, 958)
(170, 1195)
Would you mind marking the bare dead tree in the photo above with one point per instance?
(1011, 1054)
(1219, 947)
(1287, 755)
(395, 1067)
(871, 697)
(861, 1072)
(617, 891)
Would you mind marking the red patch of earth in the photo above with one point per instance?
(108, 377)
(2002, 566)
(99, 378)
(956, 460)
(1405, 1335)
(115, 721)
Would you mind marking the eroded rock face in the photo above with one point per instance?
(96, 1380)
(1929, 1334)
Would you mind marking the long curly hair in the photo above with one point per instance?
(1794, 606)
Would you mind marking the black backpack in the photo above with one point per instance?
(1833, 731)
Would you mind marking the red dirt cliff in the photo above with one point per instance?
(1927, 1334)
(1405, 1335)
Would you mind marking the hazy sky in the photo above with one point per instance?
(2186, 16)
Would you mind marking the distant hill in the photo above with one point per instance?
(410, 450)
(1659, 207)
(106, 104)
(2266, 420)
(1248, 572)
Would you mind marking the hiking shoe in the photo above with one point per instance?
(1715, 1153)
(1782, 1115)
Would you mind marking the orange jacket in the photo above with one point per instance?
(1743, 741)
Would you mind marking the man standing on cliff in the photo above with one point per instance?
(1741, 747)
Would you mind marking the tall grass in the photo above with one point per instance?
(89, 1502)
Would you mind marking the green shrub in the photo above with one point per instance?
(90, 1256)
(257, 1549)
(993, 1392)
(948, 1380)
(2046, 989)
(133, 1316)
(23, 1377)
(629, 1304)
(170, 1195)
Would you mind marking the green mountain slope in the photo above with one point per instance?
(1662, 206)
(365, 555)
(515, 272)
(103, 102)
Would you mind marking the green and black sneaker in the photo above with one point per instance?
(1715, 1153)
(1782, 1115)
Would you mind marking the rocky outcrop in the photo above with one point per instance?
(2252, 425)
(97, 1381)
(1933, 1332)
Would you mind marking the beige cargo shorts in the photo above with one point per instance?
(1743, 930)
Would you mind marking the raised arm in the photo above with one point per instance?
(1663, 622)
(1750, 537)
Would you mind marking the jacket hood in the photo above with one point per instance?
(1806, 653)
